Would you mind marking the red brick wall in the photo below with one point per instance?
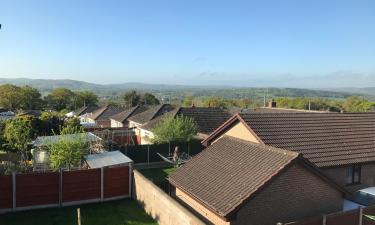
(103, 123)
(6, 195)
(37, 189)
(81, 185)
(295, 194)
(116, 181)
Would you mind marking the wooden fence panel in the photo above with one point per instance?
(116, 181)
(81, 185)
(37, 189)
(6, 193)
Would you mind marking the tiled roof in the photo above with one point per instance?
(230, 171)
(151, 113)
(325, 139)
(85, 109)
(207, 119)
(105, 112)
(282, 110)
(122, 116)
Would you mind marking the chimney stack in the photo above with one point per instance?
(272, 104)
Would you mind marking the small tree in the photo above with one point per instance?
(175, 129)
(18, 134)
(69, 150)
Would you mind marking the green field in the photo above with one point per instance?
(122, 212)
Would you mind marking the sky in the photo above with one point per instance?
(219, 42)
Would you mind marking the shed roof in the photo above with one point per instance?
(45, 140)
(105, 159)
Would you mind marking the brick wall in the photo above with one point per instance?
(297, 193)
(208, 215)
(338, 174)
(164, 209)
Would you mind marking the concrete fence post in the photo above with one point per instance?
(130, 179)
(360, 215)
(14, 189)
(101, 184)
(324, 220)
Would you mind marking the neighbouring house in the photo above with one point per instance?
(140, 119)
(238, 182)
(121, 119)
(6, 114)
(81, 112)
(341, 145)
(31, 113)
(40, 147)
(207, 119)
(101, 117)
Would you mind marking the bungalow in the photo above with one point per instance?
(121, 119)
(207, 119)
(6, 114)
(341, 145)
(238, 182)
(140, 119)
(102, 116)
(81, 112)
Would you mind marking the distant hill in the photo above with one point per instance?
(179, 91)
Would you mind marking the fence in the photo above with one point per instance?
(52, 189)
(148, 153)
(352, 217)
(163, 208)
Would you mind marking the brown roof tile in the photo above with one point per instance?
(230, 171)
(325, 139)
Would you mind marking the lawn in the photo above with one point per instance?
(122, 212)
(157, 175)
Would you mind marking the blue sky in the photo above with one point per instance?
(187, 42)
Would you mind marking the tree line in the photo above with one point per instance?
(15, 98)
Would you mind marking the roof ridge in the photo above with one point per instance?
(270, 148)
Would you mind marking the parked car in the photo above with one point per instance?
(364, 197)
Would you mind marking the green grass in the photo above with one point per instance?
(157, 175)
(122, 212)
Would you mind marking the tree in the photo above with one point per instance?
(188, 101)
(18, 134)
(175, 129)
(132, 98)
(150, 99)
(10, 96)
(69, 150)
(61, 98)
(85, 98)
(30, 98)
(214, 102)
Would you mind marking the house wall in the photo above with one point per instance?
(115, 123)
(103, 123)
(338, 174)
(146, 136)
(200, 209)
(239, 130)
(164, 209)
(297, 193)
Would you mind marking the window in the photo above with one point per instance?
(353, 175)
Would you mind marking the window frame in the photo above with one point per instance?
(353, 172)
